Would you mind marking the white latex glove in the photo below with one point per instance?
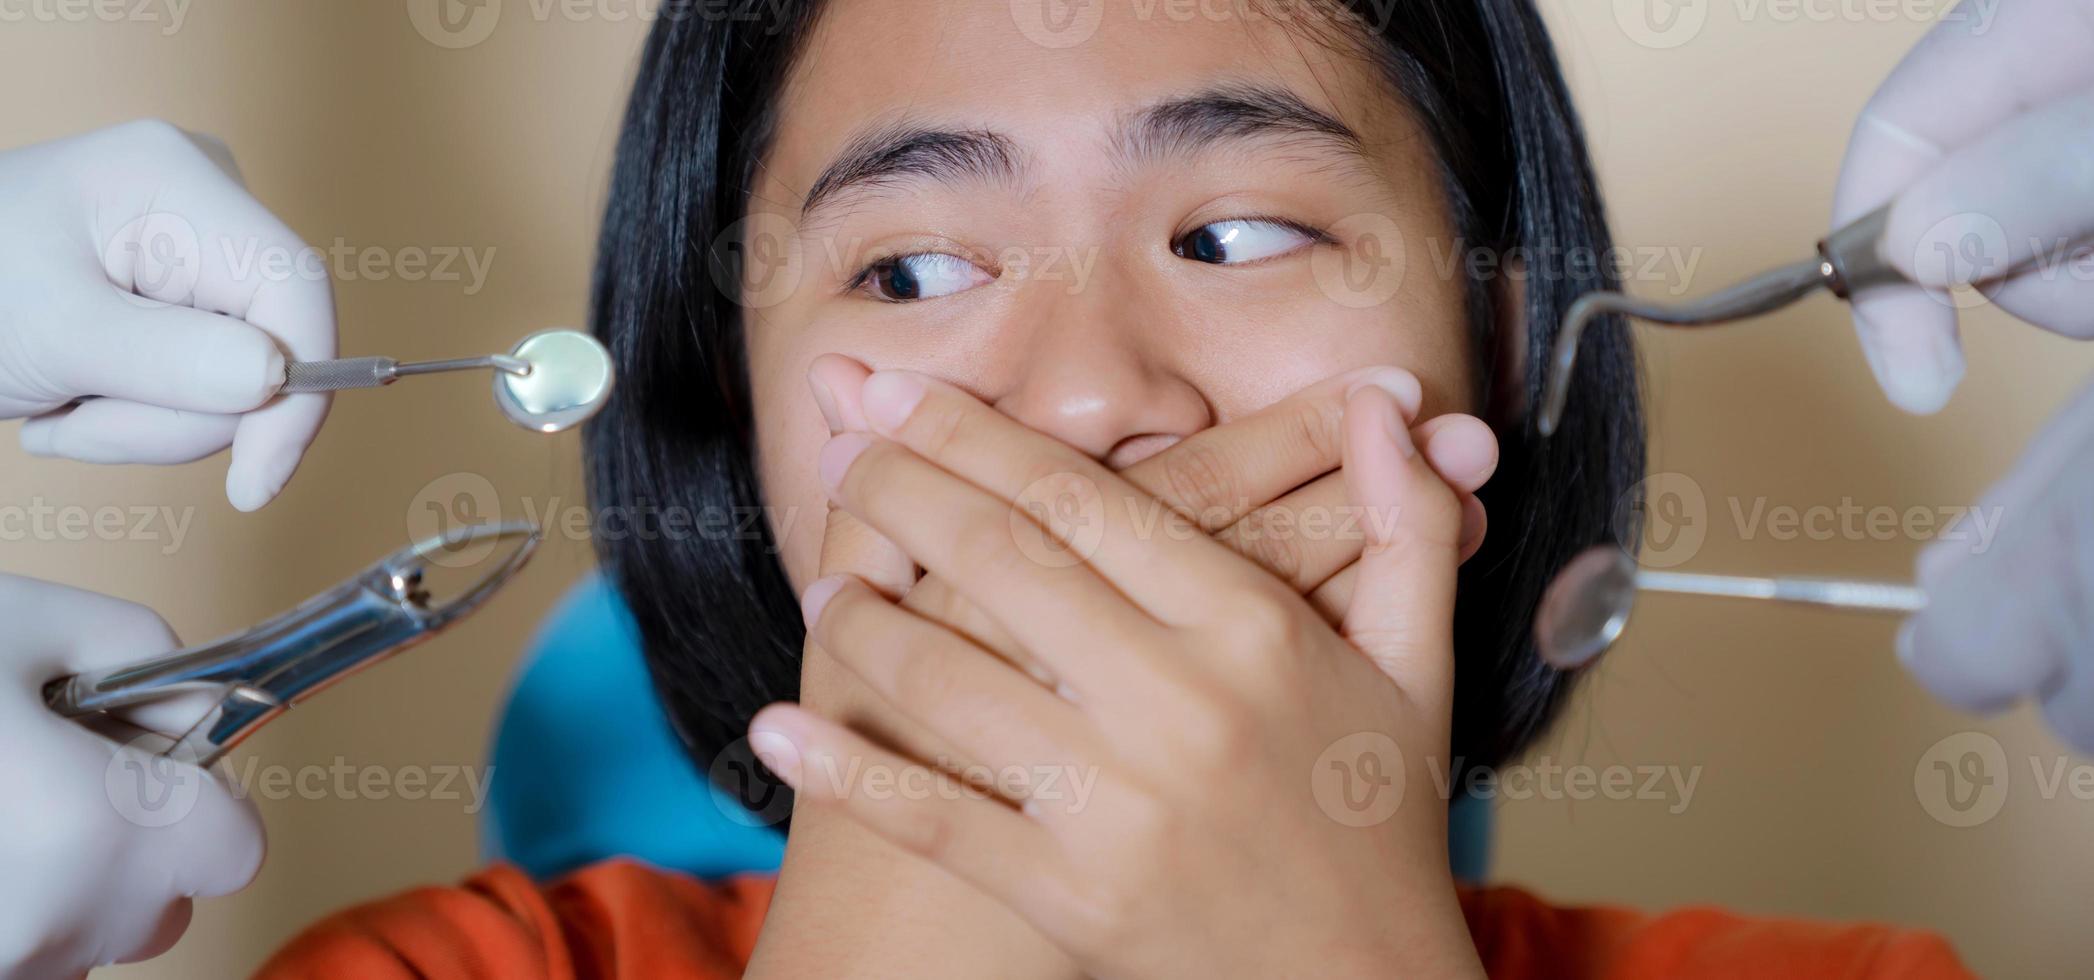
(1984, 136)
(2016, 619)
(134, 264)
(1985, 140)
(101, 847)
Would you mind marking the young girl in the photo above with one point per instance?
(1120, 382)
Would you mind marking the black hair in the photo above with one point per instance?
(719, 621)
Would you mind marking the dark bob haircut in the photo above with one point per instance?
(718, 619)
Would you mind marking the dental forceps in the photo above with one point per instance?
(261, 672)
(1848, 261)
(1587, 604)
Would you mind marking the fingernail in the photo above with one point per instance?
(889, 398)
(777, 753)
(1397, 432)
(837, 455)
(817, 597)
(825, 399)
(1401, 384)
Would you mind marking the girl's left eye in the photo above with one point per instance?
(1242, 240)
(926, 275)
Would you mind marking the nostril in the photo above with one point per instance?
(1134, 449)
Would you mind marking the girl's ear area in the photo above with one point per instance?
(1507, 410)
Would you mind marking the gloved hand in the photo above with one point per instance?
(134, 264)
(2013, 617)
(1983, 136)
(102, 843)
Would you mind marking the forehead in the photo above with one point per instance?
(1012, 66)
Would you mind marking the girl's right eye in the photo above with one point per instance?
(926, 275)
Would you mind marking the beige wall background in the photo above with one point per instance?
(1718, 142)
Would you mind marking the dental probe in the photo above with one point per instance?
(1587, 605)
(1848, 261)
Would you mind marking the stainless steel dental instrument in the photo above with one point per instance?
(1587, 604)
(261, 672)
(551, 380)
(1848, 261)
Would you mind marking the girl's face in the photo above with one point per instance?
(1118, 234)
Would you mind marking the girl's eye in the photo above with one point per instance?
(1243, 240)
(927, 275)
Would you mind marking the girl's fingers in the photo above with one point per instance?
(1311, 534)
(990, 714)
(1147, 551)
(1218, 475)
(1302, 538)
(1402, 610)
(925, 812)
(1031, 584)
(1462, 449)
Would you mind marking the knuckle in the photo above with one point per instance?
(938, 427)
(156, 134)
(1320, 425)
(1215, 732)
(1199, 478)
(927, 833)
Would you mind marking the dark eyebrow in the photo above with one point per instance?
(1189, 124)
(896, 153)
(1180, 126)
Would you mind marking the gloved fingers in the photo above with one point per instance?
(1980, 65)
(2006, 201)
(55, 629)
(112, 430)
(2070, 708)
(271, 440)
(171, 356)
(2059, 298)
(1975, 653)
(1909, 336)
(174, 920)
(267, 446)
(217, 846)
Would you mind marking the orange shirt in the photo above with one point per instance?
(621, 919)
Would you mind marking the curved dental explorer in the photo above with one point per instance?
(1848, 261)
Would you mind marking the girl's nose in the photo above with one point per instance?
(1093, 374)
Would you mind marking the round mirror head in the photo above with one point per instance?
(569, 380)
(1586, 607)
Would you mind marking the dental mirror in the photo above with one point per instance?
(1587, 605)
(568, 380)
